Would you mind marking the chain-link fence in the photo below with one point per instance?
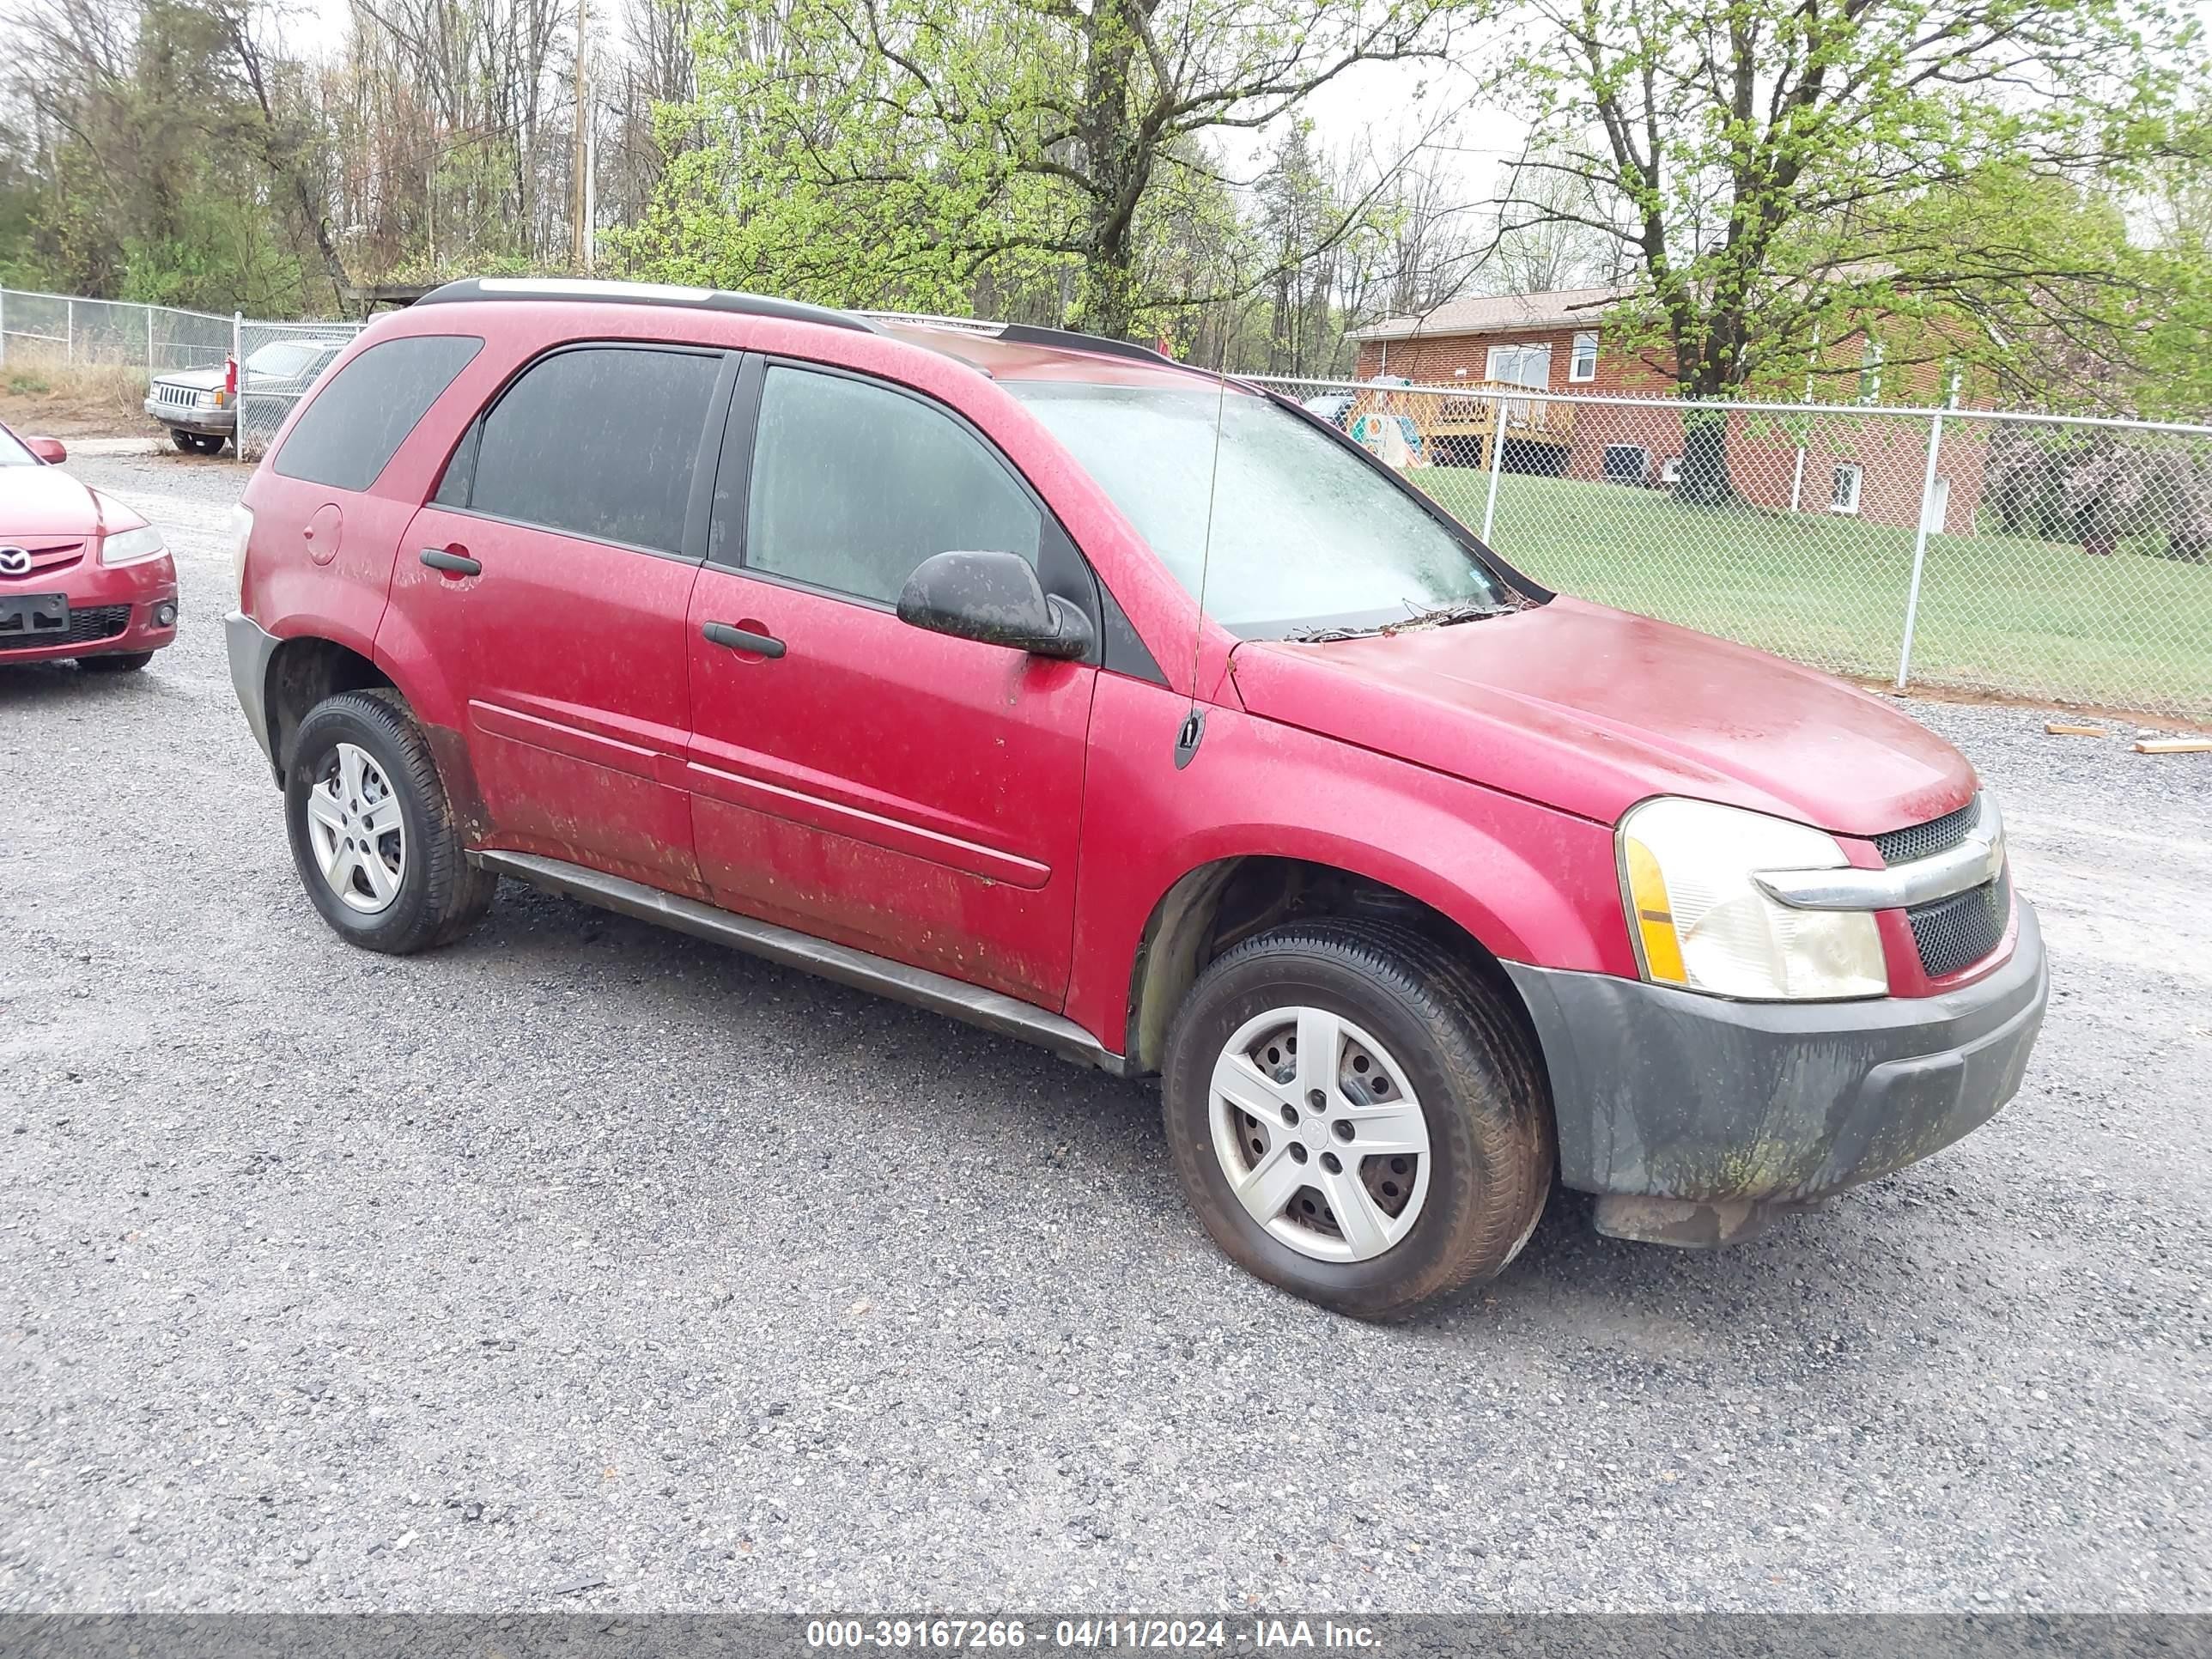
(278, 362)
(2061, 559)
(55, 330)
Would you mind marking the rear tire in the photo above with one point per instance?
(118, 662)
(1452, 1065)
(372, 832)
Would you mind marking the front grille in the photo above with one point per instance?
(1936, 836)
(47, 559)
(1959, 931)
(99, 622)
(176, 396)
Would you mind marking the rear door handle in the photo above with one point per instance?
(742, 639)
(455, 564)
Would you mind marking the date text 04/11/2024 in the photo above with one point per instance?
(1255, 1636)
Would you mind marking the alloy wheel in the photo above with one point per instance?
(1319, 1134)
(355, 826)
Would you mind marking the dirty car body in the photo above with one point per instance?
(900, 629)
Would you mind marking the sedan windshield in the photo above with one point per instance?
(13, 453)
(1306, 538)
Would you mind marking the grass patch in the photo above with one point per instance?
(2006, 614)
(65, 400)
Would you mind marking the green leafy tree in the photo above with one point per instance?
(898, 151)
(1780, 173)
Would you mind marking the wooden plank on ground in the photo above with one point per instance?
(2174, 746)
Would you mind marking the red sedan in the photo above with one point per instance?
(81, 576)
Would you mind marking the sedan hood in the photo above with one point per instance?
(46, 503)
(1591, 710)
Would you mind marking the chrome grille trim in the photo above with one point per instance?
(1974, 861)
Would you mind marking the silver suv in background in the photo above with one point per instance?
(200, 405)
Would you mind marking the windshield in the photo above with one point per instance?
(12, 453)
(1305, 536)
(285, 359)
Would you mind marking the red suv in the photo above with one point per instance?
(1042, 682)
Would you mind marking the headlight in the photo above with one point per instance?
(209, 399)
(1699, 922)
(132, 546)
(241, 534)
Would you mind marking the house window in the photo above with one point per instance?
(1843, 490)
(1529, 366)
(1583, 366)
(1627, 463)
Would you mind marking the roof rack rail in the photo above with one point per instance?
(1027, 334)
(1031, 334)
(643, 293)
(984, 325)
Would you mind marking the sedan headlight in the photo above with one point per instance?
(1700, 921)
(132, 546)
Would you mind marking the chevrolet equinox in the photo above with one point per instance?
(1047, 684)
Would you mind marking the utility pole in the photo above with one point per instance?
(580, 205)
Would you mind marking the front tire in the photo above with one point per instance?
(1357, 1117)
(371, 830)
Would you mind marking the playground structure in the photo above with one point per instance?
(1456, 426)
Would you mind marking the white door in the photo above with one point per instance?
(1523, 365)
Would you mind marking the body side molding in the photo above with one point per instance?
(992, 1010)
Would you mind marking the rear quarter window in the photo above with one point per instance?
(356, 422)
(599, 441)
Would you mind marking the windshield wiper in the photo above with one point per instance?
(1445, 615)
(1441, 617)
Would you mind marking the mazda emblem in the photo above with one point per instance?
(15, 560)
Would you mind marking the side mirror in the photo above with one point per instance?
(995, 598)
(48, 450)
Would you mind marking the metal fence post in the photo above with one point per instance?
(69, 331)
(238, 405)
(149, 342)
(3, 328)
(1919, 549)
(1496, 454)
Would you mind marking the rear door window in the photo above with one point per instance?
(854, 484)
(345, 437)
(599, 441)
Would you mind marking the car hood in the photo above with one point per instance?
(198, 379)
(1591, 710)
(45, 502)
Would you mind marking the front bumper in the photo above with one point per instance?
(135, 595)
(208, 423)
(1667, 1094)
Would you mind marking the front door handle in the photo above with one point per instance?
(454, 564)
(743, 639)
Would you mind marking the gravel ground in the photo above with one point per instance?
(584, 1265)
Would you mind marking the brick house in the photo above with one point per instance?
(1872, 470)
